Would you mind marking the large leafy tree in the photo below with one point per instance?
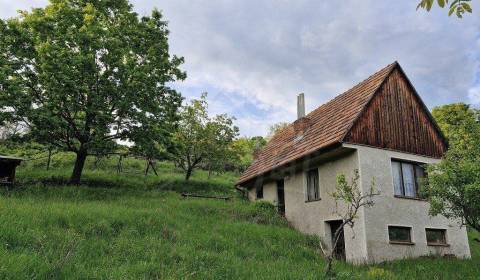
(201, 139)
(453, 185)
(81, 73)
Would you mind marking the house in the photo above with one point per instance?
(7, 169)
(381, 128)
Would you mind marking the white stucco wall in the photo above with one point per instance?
(390, 210)
(269, 193)
(311, 217)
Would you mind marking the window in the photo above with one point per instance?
(313, 192)
(397, 234)
(407, 178)
(436, 236)
(259, 190)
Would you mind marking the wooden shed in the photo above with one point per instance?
(7, 169)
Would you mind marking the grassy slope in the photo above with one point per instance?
(142, 230)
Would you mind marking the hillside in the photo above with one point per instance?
(130, 226)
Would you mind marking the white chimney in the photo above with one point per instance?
(300, 106)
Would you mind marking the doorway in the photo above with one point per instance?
(339, 252)
(281, 196)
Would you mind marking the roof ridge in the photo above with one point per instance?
(395, 63)
(283, 130)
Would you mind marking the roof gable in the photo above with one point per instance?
(397, 119)
(327, 125)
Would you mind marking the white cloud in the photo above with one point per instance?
(265, 51)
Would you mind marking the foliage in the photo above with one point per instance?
(351, 198)
(84, 73)
(274, 129)
(459, 7)
(245, 148)
(453, 185)
(458, 122)
(220, 133)
(201, 139)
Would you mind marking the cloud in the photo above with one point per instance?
(254, 57)
(474, 95)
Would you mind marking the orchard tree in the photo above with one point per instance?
(220, 132)
(245, 149)
(453, 185)
(83, 72)
(199, 138)
(151, 143)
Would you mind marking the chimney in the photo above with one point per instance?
(300, 106)
(302, 123)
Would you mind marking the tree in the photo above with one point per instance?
(200, 139)
(453, 186)
(151, 144)
(81, 73)
(274, 129)
(457, 122)
(245, 149)
(459, 7)
(220, 133)
(351, 199)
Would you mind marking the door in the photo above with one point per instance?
(339, 252)
(281, 197)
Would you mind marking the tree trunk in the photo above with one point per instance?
(189, 173)
(153, 168)
(49, 158)
(78, 168)
(147, 167)
(330, 257)
(119, 164)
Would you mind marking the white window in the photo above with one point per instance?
(407, 178)
(313, 191)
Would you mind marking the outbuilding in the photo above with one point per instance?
(7, 169)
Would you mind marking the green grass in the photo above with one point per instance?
(130, 226)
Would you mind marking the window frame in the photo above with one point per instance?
(317, 187)
(415, 178)
(400, 242)
(443, 230)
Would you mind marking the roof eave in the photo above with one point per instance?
(317, 152)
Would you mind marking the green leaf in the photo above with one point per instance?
(466, 7)
(452, 9)
(429, 5)
(441, 3)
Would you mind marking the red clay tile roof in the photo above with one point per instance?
(327, 125)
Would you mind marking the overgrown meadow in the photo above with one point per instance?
(130, 226)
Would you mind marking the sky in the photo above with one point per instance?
(254, 56)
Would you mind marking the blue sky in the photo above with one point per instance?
(254, 57)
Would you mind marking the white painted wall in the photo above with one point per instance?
(269, 193)
(390, 210)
